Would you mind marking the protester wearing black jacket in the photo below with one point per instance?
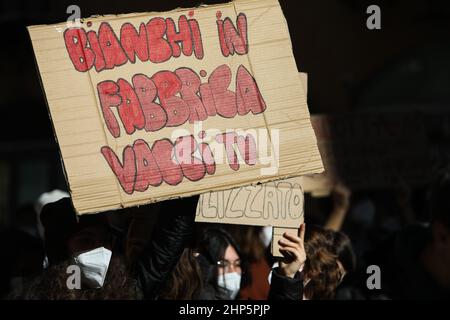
(173, 232)
(285, 288)
(317, 277)
(287, 279)
(67, 234)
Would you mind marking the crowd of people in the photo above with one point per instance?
(157, 251)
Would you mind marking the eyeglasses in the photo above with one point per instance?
(226, 265)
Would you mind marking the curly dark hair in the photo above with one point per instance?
(52, 285)
(321, 267)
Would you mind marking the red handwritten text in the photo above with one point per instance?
(156, 41)
(181, 96)
(143, 166)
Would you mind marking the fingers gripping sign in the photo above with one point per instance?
(293, 250)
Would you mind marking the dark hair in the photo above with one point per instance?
(211, 245)
(438, 200)
(65, 233)
(60, 222)
(52, 285)
(249, 241)
(321, 266)
(343, 249)
(195, 275)
(185, 281)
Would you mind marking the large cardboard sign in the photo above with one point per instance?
(153, 106)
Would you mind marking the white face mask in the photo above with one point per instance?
(94, 266)
(231, 282)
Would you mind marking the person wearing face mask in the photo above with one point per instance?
(220, 260)
(210, 269)
(254, 242)
(230, 273)
(105, 273)
(82, 264)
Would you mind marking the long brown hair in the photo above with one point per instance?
(343, 248)
(321, 266)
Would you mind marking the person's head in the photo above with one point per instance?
(91, 232)
(343, 249)
(218, 247)
(90, 248)
(45, 198)
(60, 222)
(220, 256)
(321, 271)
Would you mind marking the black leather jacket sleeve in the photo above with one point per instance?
(172, 233)
(285, 288)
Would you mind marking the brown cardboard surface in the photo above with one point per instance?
(255, 205)
(277, 235)
(278, 203)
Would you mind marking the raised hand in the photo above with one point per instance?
(293, 249)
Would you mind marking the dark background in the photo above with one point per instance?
(404, 66)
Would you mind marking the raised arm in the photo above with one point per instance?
(172, 233)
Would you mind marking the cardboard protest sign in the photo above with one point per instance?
(153, 106)
(370, 150)
(278, 203)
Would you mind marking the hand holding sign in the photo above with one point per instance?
(293, 249)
